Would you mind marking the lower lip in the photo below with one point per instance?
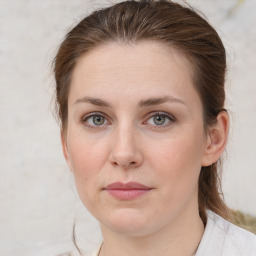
(127, 194)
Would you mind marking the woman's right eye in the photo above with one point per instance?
(94, 120)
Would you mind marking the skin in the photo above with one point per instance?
(129, 145)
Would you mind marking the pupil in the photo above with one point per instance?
(159, 120)
(98, 120)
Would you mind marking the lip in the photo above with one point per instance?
(127, 191)
(126, 186)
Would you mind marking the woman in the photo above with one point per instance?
(140, 95)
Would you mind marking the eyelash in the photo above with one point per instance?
(93, 114)
(162, 114)
(171, 118)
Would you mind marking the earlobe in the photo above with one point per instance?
(64, 146)
(216, 139)
(65, 149)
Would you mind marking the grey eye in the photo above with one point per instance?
(94, 120)
(159, 119)
(98, 120)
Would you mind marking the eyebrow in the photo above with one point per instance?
(142, 103)
(157, 101)
(94, 101)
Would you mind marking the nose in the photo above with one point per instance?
(125, 151)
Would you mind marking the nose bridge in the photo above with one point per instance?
(125, 134)
(125, 150)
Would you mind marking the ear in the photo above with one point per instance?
(217, 137)
(65, 148)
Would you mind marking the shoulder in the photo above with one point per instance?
(222, 238)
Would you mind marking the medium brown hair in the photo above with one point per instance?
(178, 27)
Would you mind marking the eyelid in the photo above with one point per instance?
(155, 113)
(97, 113)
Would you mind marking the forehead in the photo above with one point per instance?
(144, 67)
(143, 55)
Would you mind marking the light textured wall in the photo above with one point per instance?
(38, 199)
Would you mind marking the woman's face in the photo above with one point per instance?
(135, 116)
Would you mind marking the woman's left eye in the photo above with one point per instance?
(160, 119)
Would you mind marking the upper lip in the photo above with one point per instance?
(126, 186)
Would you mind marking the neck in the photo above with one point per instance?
(182, 237)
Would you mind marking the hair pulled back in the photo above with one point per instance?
(180, 28)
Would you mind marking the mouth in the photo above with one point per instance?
(127, 191)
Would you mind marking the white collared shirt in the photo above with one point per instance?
(222, 238)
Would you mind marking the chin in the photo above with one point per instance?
(128, 222)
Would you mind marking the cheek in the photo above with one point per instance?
(177, 168)
(178, 159)
(86, 159)
(85, 153)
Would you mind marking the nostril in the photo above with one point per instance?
(126, 165)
